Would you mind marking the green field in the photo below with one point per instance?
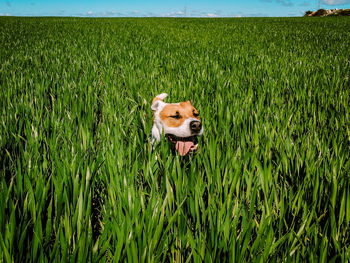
(79, 180)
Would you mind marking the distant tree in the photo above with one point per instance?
(307, 13)
(332, 12)
(321, 12)
(344, 12)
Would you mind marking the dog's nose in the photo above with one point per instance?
(195, 126)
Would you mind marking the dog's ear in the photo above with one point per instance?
(162, 96)
(158, 100)
(156, 105)
(159, 97)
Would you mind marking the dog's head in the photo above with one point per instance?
(180, 123)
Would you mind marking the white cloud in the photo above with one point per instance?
(109, 13)
(168, 14)
(238, 16)
(112, 13)
(135, 12)
(335, 2)
(195, 13)
(174, 14)
(1, 14)
(7, 14)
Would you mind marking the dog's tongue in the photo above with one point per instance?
(184, 147)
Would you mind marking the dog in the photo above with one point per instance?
(179, 122)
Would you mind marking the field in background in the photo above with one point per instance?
(78, 179)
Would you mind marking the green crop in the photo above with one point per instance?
(79, 180)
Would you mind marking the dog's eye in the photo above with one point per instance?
(195, 114)
(176, 116)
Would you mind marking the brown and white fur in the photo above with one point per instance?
(179, 122)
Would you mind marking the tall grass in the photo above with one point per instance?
(80, 182)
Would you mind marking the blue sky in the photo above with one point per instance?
(166, 8)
